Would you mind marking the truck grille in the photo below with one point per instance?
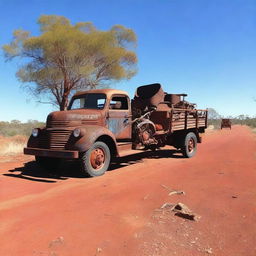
(58, 123)
(55, 139)
(67, 123)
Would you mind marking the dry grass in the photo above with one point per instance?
(211, 128)
(12, 145)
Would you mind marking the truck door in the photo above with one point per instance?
(119, 117)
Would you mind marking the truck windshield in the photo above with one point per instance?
(89, 101)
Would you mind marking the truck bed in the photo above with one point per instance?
(175, 119)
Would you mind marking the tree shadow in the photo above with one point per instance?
(71, 169)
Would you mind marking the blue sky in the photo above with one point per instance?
(205, 48)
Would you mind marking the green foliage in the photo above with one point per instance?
(65, 57)
(15, 127)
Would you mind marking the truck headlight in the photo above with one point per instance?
(35, 132)
(76, 132)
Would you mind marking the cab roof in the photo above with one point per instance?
(108, 92)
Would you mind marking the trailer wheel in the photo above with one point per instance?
(96, 160)
(48, 163)
(189, 146)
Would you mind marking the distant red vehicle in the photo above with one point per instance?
(225, 123)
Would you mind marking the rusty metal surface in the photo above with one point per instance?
(118, 119)
(146, 131)
(173, 119)
(177, 101)
(151, 94)
(183, 119)
(76, 117)
(51, 153)
(108, 92)
(147, 97)
(91, 134)
(97, 158)
(54, 138)
(94, 123)
(172, 98)
(118, 122)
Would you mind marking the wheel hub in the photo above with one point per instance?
(191, 145)
(97, 158)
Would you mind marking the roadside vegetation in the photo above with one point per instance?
(16, 127)
(214, 118)
(14, 135)
(12, 145)
(235, 120)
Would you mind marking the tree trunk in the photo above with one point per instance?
(64, 102)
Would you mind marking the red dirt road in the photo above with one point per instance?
(120, 213)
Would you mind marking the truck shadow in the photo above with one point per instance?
(31, 171)
(70, 169)
(138, 157)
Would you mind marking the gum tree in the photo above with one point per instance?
(65, 57)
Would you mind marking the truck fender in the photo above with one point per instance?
(93, 133)
(34, 142)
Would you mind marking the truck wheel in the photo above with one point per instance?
(48, 163)
(189, 147)
(96, 160)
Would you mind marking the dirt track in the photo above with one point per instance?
(119, 213)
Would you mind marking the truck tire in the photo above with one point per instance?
(189, 146)
(96, 160)
(48, 163)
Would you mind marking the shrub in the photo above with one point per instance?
(15, 127)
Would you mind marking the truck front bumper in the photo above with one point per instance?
(51, 153)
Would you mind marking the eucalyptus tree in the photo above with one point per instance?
(64, 58)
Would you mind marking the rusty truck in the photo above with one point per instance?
(100, 124)
(225, 123)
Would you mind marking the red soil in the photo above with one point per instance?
(119, 213)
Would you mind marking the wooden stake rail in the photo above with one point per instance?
(183, 119)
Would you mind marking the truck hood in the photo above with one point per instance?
(72, 118)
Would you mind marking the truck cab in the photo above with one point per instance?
(95, 117)
(112, 110)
